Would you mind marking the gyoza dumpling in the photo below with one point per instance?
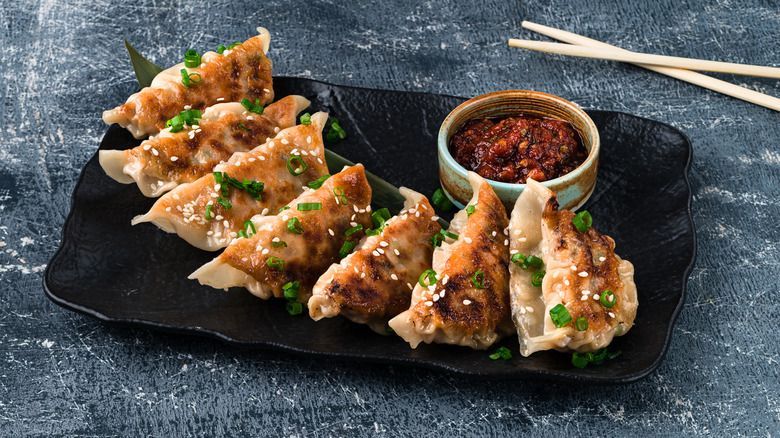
(374, 283)
(469, 303)
(184, 210)
(236, 74)
(299, 243)
(579, 268)
(169, 159)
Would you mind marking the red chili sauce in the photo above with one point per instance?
(513, 149)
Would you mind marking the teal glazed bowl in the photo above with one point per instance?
(572, 189)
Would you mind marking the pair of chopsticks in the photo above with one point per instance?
(668, 65)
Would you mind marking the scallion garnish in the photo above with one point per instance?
(380, 216)
(318, 183)
(470, 209)
(478, 280)
(189, 117)
(191, 58)
(335, 133)
(441, 201)
(256, 108)
(241, 125)
(536, 279)
(535, 262)
(294, 308)
(242, 233)
(308, 206)
(207, 215)
(428, 274)
(501, 353)
(581, 324)
(187, 78)
(291, 290)
(249, 225)
(346, 248)
(340, 197)
(221, 49)
(275, 262)
(218, 177)
(519, 260)
(300, 168)
(439, 237)
(306, 119)
(279, 243)
(582, 221)
(295, 226)
(225, 203)
(353, 230)
(234, 45)
(560, 315)
(581, 360)
(284, 208)
(608, 298)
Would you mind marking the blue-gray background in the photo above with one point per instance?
(63, 63)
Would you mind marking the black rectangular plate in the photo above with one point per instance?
(138, 275)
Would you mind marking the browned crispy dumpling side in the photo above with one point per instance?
(579, 267)
(162, 163)
(374, 283)
(242, 72)
(469, 304)
(264, 265)
(193, 211)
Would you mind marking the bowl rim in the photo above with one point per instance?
(483, 99)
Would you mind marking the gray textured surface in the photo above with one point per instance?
(62, 64)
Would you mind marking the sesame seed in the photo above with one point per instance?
(517, 232)
(584, 298)
(264, 212)
(187, 107)
(261, 158)
(219, 217)
(243, 259)
(566, 282)
(435, 297)
(611, 314)
(319, 160)
(233, 234)
(396, 252)
(220, 99)
(304, 153)
(466, 302)
(174, 158)
(522, 239)
(394, 277)
(446, 279)
(251, 159)
(596, 297)
(308, 139)
(506, 242)
(265, 251)
(376, 254)
(384, 244)
(214, 195)
(586, 292)
(493, 234)
(410, 286)
(209, 233)
(331, 232)
(368, 208)
(353, 217)
(226, 223)
(529, 309)
(555, 274)
(429, 303)
(217, 187)
(467, 239)
(416, 214)
(266, 90)
(355, 207)
(514, 251)
(583, 274)
(353, 224)
(154, 151)
(167, 208)
(284, 141)
(275, 239)
(218, 234)
(573, 268)
(434, 218)
(276, 130)
(380, 250)
(362, 275)
(175, 196)
(601, 259)
(441, 294)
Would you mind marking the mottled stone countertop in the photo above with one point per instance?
(63, 373)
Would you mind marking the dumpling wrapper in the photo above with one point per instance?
(455, 310)
(243, 72)
(306, 256)
(374, 283)
(539, 228)
(162, 163)
(183, 210)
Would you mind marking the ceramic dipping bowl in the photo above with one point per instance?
(572, 189)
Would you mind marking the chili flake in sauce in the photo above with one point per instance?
(513, 149)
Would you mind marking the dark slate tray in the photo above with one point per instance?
(137, 276)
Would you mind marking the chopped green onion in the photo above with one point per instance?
(221, 49)
(335, 133)
(608, 298)
(535, 262)
(346, 248)
(390, 330)
(275, 262)
(187, 78)
(242, 233)
(218, 177)
(340, 197)
(478, 280)
(519, 260)
(536, 279)
(207, 215)
(441, 201)
(300, 168)
(318, 183)
(582, 221)
(430, 274)
(306, 119)
(560, 315)
(291, 290)
(241, 125)
(225, 203)
(448, 234)
(256, 108)
(471, 209)
(581, 324)
(581, 360)
(308, 206)
(294, 308)
(380, 216)
(353, 230)
(286, 207)
(439, 237)
(295, 226)
(249, 225)
(191, 58)
(189, 117)
(234, 45)
(501, 353)
(279, 243)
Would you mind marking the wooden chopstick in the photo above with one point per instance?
(645, 58)
(699, 79)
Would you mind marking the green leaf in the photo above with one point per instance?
(145, 70)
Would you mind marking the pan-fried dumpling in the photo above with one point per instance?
(469, 303)
(374, 283)
(579, 268)
(236, 74)
(169, 159)
(186, 211)
(299, 243)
